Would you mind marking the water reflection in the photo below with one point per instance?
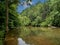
(41, 35)
(35, 36)
(21, 42)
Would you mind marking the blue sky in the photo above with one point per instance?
(21, 8)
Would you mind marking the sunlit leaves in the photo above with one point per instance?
(43, 14)
(24, 20)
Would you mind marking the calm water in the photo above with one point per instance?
(22, 42)
(37, 36)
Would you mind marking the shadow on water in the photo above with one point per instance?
(11, 41)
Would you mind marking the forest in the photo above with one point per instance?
(42, 14)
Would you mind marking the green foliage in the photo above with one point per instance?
(1, 42)
(37, 21)
(1, 34)
(24, 20)
(41, 14)
(1, 37)
(28, 31)
(49, 19)
(13, 17)
(56, 21)
(2, 16)
(24, 31)
(44, 14)
(34, 14)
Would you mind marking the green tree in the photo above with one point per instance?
(24, 21)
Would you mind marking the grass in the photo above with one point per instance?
(1, 42)
(1, 37)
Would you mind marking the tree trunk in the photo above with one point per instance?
(6, 16)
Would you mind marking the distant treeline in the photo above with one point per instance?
(42, 14)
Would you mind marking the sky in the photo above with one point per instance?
(21, 8)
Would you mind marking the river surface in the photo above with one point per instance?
(37, 36)
(22, 42)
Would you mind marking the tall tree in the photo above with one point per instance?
(6, 15)
(8, 3)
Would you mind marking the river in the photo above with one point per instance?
(37, 36)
